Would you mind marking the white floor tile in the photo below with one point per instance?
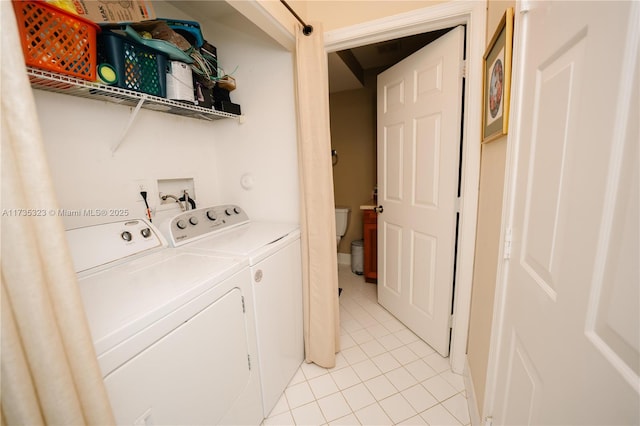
(459, 407)
(349, 420)
(420, 370)
(437, 362)
(384, 373)
(280, 420)
(454, 379)
(354, 355)
(385, 362)
(439, 387)
(420, 348)
(373, 415)
(419, 398)
(379, 313)
(346, 301)
(299, 394)
(397, 408)
(309, 414)
(401, 378)
(404, 355)
(351, 325)
(297, 378)
(390, 342)
(415, 420)
(378, 331)
(281, 406)
(346, 341)
(366, 370)
(380, 387)
(341, 362)
(357, 311)
(345, 377)
(372, 348)
(344, 313)
(334, 406)
(406, 336)
(361, 336)
(438, 415)
(358, 396)
(323, 386)
(366, 320)
(312, 370)
(393, 325)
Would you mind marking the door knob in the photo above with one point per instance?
(379, 209)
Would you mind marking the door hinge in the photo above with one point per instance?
(507, 245)
(243, 309)
(463, 69)
(456, 204)
(249, 361)
(451, 321)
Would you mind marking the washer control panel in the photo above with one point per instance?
(198, 223)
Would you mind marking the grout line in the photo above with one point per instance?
(358, 306)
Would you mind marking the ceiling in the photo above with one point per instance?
(347, 67)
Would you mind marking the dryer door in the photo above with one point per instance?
(193, 375)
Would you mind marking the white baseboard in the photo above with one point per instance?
(344, 258)
(474, 414)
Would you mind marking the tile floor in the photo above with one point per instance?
(384, 374)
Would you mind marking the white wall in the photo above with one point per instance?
(265, 145)
(78, 134)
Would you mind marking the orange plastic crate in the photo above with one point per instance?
(55, 40)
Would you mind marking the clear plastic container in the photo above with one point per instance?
(357, 257)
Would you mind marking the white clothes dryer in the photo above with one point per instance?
(174, 331)
(273, 253)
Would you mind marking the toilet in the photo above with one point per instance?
(342, 219)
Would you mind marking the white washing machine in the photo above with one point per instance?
(273, 252)
(174, 331)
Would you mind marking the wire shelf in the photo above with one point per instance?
(52, 82)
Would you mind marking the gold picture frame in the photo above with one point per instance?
(496, 86)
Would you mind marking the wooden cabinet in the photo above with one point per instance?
(370, 261)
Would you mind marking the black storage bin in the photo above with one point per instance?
(222, 101)
(138, 67)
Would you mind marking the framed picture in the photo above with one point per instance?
(497, 80)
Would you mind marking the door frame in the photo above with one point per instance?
(444, 15)
(506, 220)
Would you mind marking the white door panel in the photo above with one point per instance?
(569, 351)
(419, 113)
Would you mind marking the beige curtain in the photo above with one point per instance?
(50, 374)
(319, 254)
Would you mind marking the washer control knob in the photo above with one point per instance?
(211, 215)
(193, 220)
(181, 224)
(228, 212)
(126, 235)
(236, 210)
(146, 232)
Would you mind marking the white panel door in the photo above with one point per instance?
(419, 120)
(569, 349)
